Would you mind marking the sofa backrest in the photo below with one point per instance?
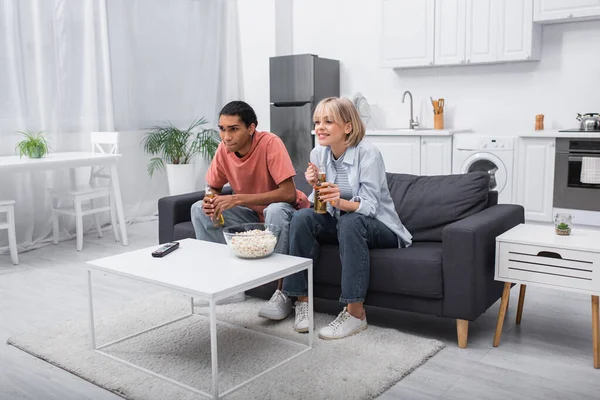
(426, 204)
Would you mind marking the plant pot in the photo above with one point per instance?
(563, 232)
(36, 152)
(181, 178)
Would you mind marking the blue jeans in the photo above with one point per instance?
(276, 214)
(354, 233)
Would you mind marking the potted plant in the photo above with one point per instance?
(34, 145)
(176, 150)
(562, 224)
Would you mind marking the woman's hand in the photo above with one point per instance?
(330, 193)
(312, 174)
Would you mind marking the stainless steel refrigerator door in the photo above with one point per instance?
(292, 79)
(293, 126)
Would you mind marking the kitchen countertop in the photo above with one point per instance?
(415, 132)
(557, 134)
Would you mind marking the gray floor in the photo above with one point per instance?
(548, 357)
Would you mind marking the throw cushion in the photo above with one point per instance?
(426, 204)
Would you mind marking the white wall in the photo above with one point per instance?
(490, 98)
(257, 31)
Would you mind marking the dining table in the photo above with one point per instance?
(72, 160)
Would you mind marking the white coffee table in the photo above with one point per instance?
(536, 255)
(207, 271)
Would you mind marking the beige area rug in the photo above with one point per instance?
(359, 367)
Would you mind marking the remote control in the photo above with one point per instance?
(165, 249)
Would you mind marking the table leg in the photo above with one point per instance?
(310, 307)
(213, 349)
(521, 301)
(114, 178)
(91, 309)
(502, 313)
(595, 332)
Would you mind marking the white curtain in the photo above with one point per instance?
(69, 67)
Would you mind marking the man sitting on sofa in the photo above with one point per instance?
(259, 169)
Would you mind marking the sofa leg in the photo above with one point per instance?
(462, 330)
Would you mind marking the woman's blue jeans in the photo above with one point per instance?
(354, 233)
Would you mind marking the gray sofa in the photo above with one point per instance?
(449, 269)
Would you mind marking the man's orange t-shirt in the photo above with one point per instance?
(266, 165)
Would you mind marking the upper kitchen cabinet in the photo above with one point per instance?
(450, 25)
(565, 10)
(518, 37)
(466, 32)
(482, 18)
(407, 33)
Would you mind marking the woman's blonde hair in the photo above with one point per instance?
(342, 111)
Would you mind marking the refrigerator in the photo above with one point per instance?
(297, 84)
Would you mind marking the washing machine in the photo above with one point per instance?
(491, 154)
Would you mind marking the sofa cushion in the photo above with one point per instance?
(414, 271)
(184, 230)
(426, 204)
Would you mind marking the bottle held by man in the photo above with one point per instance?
(217, 222)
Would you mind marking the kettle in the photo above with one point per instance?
(589, 121)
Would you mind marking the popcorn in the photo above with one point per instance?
(255, 243)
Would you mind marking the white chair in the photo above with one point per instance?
(8, 207)
(105, 143)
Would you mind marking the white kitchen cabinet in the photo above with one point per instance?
(534, 177)
(436, 155)
(518, 37)
(450, 25)
(407, 38)
(565, 10)
(401, 154)
(455, 32)
(482, 19)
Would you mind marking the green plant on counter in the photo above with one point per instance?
(562, 227)
(34, 145)
(179, 146)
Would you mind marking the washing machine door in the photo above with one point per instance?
(491, 164)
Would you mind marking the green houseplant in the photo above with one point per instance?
(175, 150)
(34, 145)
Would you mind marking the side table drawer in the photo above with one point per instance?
(552, 266)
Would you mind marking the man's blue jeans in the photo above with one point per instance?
(354, 233)
(276, 214)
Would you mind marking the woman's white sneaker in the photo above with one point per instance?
(343, 326)
(301, 321)
(278, 308)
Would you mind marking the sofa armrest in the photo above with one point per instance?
(173, 210)
(469, 249)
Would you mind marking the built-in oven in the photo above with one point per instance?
(569, 190)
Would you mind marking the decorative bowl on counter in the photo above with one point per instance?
(252, 240)
(563, 224)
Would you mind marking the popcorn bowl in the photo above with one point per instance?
(252, 240)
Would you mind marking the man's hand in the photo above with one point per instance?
(330, 193)
(207, 206)
(311, 174)
(222, 203)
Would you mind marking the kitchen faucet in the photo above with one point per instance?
(413, 124)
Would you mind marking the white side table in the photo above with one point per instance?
(536, 255)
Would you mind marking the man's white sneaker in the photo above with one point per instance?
(278, 308)
(301, 321)
(344, 325)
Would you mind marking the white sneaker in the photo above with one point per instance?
(344, 325)
(278, 308)
(301, 321)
